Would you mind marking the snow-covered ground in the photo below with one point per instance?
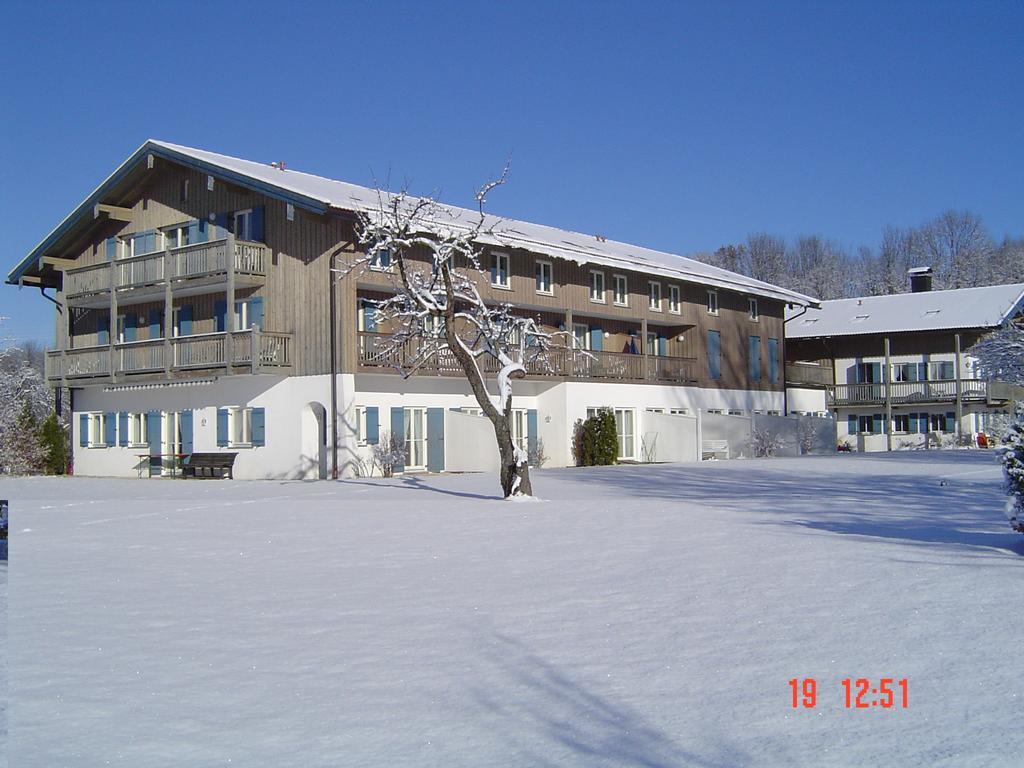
(641, 616)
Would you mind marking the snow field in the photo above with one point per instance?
(639, 616)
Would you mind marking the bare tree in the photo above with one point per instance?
(437, 316)
(957, 245)
(766, 256)
(1000, 354)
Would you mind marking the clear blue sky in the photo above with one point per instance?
(677, 126)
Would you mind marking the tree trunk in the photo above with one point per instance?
(515, 477)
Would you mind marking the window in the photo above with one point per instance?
(754, 361)
(183, 190)
(654, 410)
(943, 422)
(941, 371)
(901, 422)
(416, 438)
(712, 302)
(714, 355)
(673, 300)
(717, 411)
(597, 286)
(592, 412)
(752, 309)
(520, 432)
(621, 290)
(499, 270)
(97, 430)
(679, 411)
(360, 419)
(654, 296)
(239, 426)
(866, 425)
(774, 413)
(136, 430)
(735, 412)
(243, 225)
(473, 411)
(580, 336)
(652, 343)
(381, 260)
(138, 244)
(869, 373)
(544, 284)
(625, 419)
(909, 371)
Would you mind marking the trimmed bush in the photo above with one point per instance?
(599, 440)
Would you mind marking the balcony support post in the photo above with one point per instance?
(112, 324)
(229, 310)
(569, 361)
(254, 348)
(168, 315)
(959, 388)
(646, 372)
(887, 378)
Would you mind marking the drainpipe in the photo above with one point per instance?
(334, 366)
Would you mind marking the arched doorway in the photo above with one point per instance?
(314, 442)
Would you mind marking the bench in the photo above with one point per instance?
(209, 465)
(714, 449)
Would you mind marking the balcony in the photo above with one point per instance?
(914, 392)
(200, 266)
(252, 351)
(809, 375)
(377, 355)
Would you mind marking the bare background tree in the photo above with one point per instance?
(437, 317)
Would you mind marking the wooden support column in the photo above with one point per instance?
(887, 378)
(643, 348)
(254, 349)
(229, 311)
(168, 315)
(959, 388)
(112, 324)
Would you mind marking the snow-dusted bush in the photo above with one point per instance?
(25, 401)
(764, 442)
(388, 453)
(599, 443)
(1012, 459)
(535, 454)
(806, 435)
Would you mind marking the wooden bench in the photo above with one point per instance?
(209, 465)
(714, 449)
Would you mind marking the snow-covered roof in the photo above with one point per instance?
(318, 193)
(984, 307)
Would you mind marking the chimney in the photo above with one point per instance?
(920, 279)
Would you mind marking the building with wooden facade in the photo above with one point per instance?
(194, 302)
(896, 370)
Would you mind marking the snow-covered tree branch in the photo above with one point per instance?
(1000, 355)
(437, 319)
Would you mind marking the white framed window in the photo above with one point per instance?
(654, 296)
(580, 336)
(674, 304)
(654, 410)
(97, 430)
(500, 270)
(543, 278)
(243, 224)
(122, 323)
(239, 427)
(473, 411)
(176, 237)
(519, 429)
(416, 438)
(171, 434)
(774, 413)
(752, 309)
(712, 302)
(360, 424)
(679, 411)
(593, 411)
(136, 430)
(901, 422)
(652, 343)
(597, 286)
(717, 411)
(621, 293)
(625, 427)
(381, 261)
(735, 412)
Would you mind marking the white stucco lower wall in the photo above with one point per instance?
(801, 400)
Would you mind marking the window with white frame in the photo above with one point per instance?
(673, 300)
(543, 278)
(171, 434)
(239, 426)
(901, 422)
(735, 412)
(597, 286)
(594, 410)
(774, 413)
(625, 428)
(679, 411)
(580, 336)
(712, 302)
(621, 292)
(752, 309)
(519, 429)
(136, 430)
(176, 236)
(717, 411)
(97, 430)
(416, 438)
(499, 270)
(243, 224)
(654, 410)
(473, 411)
(654, 296)
(381, 260)
(360, 424)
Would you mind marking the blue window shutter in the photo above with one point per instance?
(153, 432)
(111, 248)
(877, 429)
(259, 426)
(110, 429)
(951, 420)
(222, 427)
(202, 231)
(372, 426)
(102, 328)
(398, 432)
(851, 424)
(185, 320)
(596, 339)
(435, 439)
(773, 360)
(130, 325)
(876, 373)
(83, 430)
(531, 431)
(193, 231)
(185, 422)
(257, 224)
(714, 354)
(222, 226)
(256, 312)
(122, 429)
(755, 358)
(662, 346)
(220, 313)
(156, 319)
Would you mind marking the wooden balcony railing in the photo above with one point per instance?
(185, 263)
(202, 351)
(908, 392)
(810, 373)
(377, 353)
